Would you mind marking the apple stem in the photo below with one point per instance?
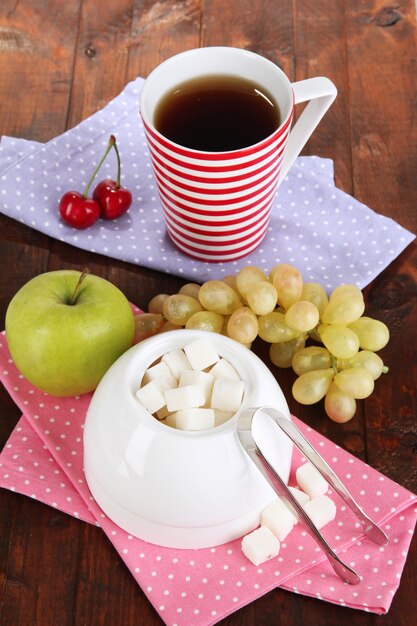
(118, 164)
(112, 142)
(78, 286)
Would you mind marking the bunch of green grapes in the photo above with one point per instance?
(286, 313)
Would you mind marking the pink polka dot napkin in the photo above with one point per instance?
(331, 237)
(43, 459)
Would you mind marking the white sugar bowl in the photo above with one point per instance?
(174, 488)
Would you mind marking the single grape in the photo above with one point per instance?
(262, 297)
(156, 303)
(146, 325)
(346, 291)
(217, 296)
(311, 358)
(205, 320)
(179, 308)
(373, 334)
(302, 316)
(364, 358)
(243, 325)
(281, 354)
(248, 277)
(315, 293)
(190, 289)
(288, 282)
(343, 309)
(339, 406)
(356, 381)
(339, 340)
(273, 329)
(312, 386)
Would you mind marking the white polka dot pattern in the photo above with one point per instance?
(327, 234)
(43, 460)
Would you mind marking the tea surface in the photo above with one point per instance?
(217, 113)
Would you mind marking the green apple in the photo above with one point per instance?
(65, 328)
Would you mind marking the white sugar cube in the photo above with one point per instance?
(194, 419)
(224, 369)
(227, 394)
(299, 495)
(151, 397)
(278, 519)
(162, 374)
(321, 510)
(260, 545)
(310, 480)
(201, 353)
(177, 361)
(220, 417)
(186, 397)
(203, 379)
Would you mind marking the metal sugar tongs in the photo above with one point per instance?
(371, 530)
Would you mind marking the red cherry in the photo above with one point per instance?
(109, 198)
(78, 211)
(113, 199)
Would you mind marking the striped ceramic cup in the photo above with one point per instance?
(217, 205)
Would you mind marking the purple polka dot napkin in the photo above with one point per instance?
(327, 234)
(43, 459)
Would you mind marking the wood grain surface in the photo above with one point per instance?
(60, 61)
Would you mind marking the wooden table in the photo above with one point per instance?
(61, 61)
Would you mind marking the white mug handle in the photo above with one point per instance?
(321, 92)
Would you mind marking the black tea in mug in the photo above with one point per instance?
(217, 113)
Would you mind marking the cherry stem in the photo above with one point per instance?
(78, 286)
(112, 142)
(118, 163)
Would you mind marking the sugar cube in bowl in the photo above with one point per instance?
(165, 476)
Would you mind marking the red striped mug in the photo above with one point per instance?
(217, 205)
